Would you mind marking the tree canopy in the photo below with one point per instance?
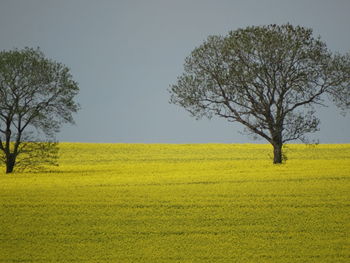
(36, 98)
(268, 78)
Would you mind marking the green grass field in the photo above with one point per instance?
(180, 203)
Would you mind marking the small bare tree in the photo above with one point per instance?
(268, 78)
(36, 98)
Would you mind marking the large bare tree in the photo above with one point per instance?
(36, 98)
(268, 78)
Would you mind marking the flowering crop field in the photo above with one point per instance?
(180, 203)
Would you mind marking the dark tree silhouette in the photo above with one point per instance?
(268, 78)
(36, 98)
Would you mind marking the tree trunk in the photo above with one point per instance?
(10, 163)
(277, 153)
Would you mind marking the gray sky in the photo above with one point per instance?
(125, 54)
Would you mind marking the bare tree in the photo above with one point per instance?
(268, 78)
(36, 98)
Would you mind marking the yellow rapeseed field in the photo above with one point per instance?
(180, 203)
